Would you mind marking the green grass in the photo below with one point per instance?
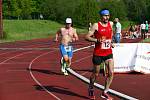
(147, 40)
(30, 29)
(126, 24)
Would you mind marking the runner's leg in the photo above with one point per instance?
(66, 62)
(108, 78)
(93, 78)
(65, 59)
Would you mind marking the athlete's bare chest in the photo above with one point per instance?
(67, 32)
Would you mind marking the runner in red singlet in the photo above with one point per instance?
(103, 33)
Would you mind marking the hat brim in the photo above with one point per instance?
(68, 23)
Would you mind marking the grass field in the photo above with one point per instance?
(147, 40)
(30, 29)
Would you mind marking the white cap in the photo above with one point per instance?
(68, 20)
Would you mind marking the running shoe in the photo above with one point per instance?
(66, 73)
(62, 69)
(91, 93)
(106, 96)
(62, 66)
(92, 97)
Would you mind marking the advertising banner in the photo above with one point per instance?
(132, 57)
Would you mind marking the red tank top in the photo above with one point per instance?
(103, 49)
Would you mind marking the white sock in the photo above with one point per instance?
(105, 91)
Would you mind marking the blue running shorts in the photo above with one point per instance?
(66, 50)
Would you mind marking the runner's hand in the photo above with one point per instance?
(55, 40)
(112, 45)
(100, 40)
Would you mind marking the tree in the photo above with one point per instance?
(136, 9)
(117, 8)
(86, 12)
(1, 20)
(15, 11)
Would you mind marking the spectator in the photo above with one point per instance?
(117, 35)
(146, 28)
(142, 28)
(131, 30)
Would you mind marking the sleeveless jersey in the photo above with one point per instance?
(104, 48)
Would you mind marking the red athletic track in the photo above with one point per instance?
(35, 74)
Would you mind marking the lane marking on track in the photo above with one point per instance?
(84, 73)
(16, 70)
(96, 84)
(20, 63)
(3, 62)
(79, 76)
(34, 78)
(14, 57)
(82, 59)
(7, 52)
(29, 48)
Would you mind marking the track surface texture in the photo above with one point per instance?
(30, 70)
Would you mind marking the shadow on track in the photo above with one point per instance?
(60, 90)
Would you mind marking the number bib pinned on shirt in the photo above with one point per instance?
(68, 48)
(106, 44)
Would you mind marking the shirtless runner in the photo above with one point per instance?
(67, 35)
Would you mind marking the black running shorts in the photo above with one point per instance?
(97, 60)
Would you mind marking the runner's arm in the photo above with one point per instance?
(89, 37)
(75, 35)
(112, 44)
(111, 23)
(57, 35)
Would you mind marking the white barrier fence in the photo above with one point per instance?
(132, 57)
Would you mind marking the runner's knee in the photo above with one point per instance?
(110, 74)
(96, 74)
(66, 59)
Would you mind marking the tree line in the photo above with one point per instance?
(81, 11)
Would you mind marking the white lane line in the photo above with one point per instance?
(31, 70)
(80, 77)
(29, 48)
(96, 84)
(82, 59)
(15, 57)
(34, 78)
(101, 86)
(20, 63)
(7, 52)
(16, 70)
(84, 73)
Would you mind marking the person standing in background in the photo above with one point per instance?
(142, 28)
(146, 28)
(117, 35)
